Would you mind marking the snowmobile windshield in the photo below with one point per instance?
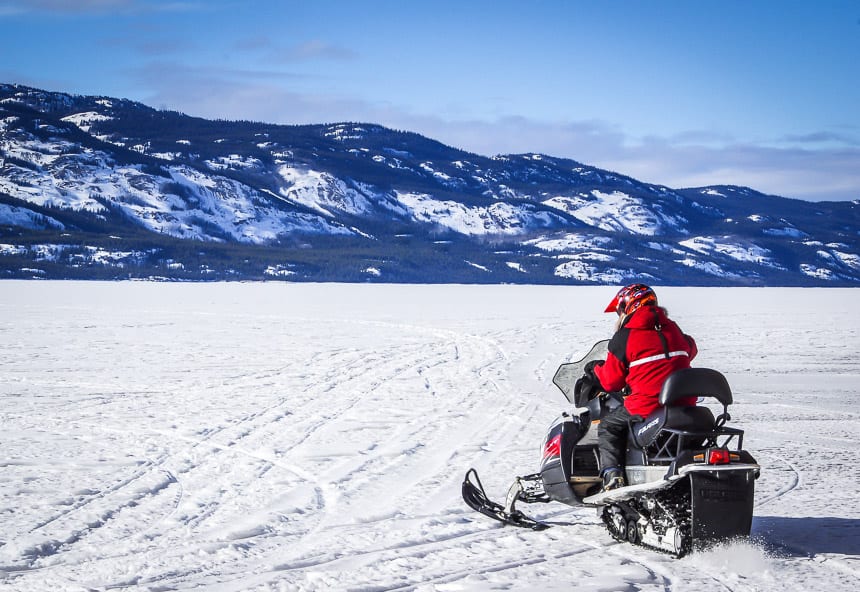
(567, 374)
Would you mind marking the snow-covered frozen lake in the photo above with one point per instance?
(314, 437)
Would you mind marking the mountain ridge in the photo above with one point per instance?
(99, 187)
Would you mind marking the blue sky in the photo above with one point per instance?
(681, 93)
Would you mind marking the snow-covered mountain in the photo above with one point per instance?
(97, 187)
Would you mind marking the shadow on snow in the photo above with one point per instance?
(808, 536)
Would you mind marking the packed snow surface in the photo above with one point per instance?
(283, 436)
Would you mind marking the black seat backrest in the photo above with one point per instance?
(696, 382)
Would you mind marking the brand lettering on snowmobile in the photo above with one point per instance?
(650, 424)
(723, 495)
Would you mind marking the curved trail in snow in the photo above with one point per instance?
(233, 445)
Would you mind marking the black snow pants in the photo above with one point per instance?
(612, 438)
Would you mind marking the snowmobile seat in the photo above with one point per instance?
(675, 427)
(681, 419)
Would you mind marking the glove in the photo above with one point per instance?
(589, 370)
(588, 386)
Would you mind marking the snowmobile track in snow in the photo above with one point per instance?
(258, 437)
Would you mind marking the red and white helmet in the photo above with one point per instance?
(631, 298)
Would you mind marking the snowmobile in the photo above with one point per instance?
(689, 483)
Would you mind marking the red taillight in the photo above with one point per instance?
(719, 456)
(552, 448)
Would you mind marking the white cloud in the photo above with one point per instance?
(312, 50)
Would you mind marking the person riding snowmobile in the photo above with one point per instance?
(646, 348)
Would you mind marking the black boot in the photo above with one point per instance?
(613, 478)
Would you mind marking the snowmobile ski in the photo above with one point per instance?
(476, 498)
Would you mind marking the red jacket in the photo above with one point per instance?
(642, 354)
